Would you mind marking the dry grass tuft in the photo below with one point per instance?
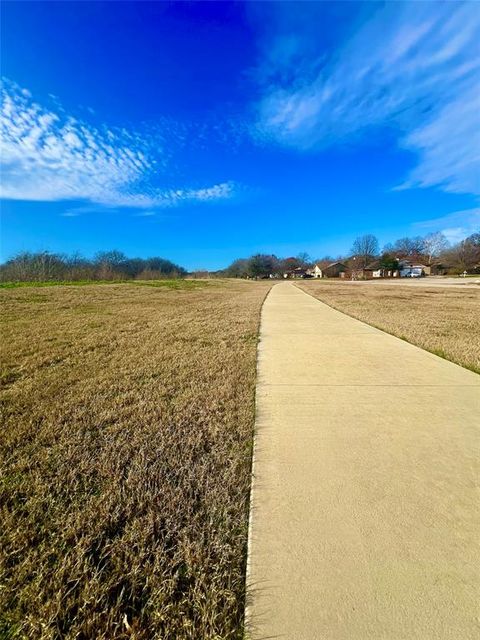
(442, 320)
(125, 469)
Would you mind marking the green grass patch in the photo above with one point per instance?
(176, 283)
(57, 283)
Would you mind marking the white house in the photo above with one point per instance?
(410, 268)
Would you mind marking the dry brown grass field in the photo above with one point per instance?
(125, 459)
(442, 320)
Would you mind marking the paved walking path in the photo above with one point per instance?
(364, 520)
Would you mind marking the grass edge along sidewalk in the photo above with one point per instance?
(125, 460)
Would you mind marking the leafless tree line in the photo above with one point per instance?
(107, 265)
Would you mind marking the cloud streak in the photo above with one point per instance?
(413, 67)
(50, 156)
(455, 226)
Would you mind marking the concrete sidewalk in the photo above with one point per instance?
(365, 517)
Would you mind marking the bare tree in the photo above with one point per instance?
(365, 248)
(34, 266)
(109, 264)
(474, 240)
(433, 245)
(388, 248)
(404, 247)
(464, 256)
(45, 266)
(304, 259)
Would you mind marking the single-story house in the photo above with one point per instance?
(375, 270)
(439, 269)
(409, 267)
(299, 272)
(333, 270)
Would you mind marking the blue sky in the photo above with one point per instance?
(203, 132)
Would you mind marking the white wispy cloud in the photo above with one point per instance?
(70, 214)
(145, 214)
(74, 212)
(412, 66)
(50, 156)
(455, 226)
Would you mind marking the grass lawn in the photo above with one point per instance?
(128, 414)
(444, 321)
(177, 283)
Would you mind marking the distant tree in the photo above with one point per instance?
(110, 264)
(164, 267)
(238, 268)
(433, 246)
(261, 265)
(409, 247)
(78, 268)
(474, 239)
(289, 264)
(114, 258)
(132, 267)
(464, 256)
(388, 248)
(388, 261)
(365, 248)
(19, 268)
(39, 266)
(324, 261)
(304, 260)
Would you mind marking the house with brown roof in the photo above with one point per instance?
(333, 270)
(299, 272)
(439, 269)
